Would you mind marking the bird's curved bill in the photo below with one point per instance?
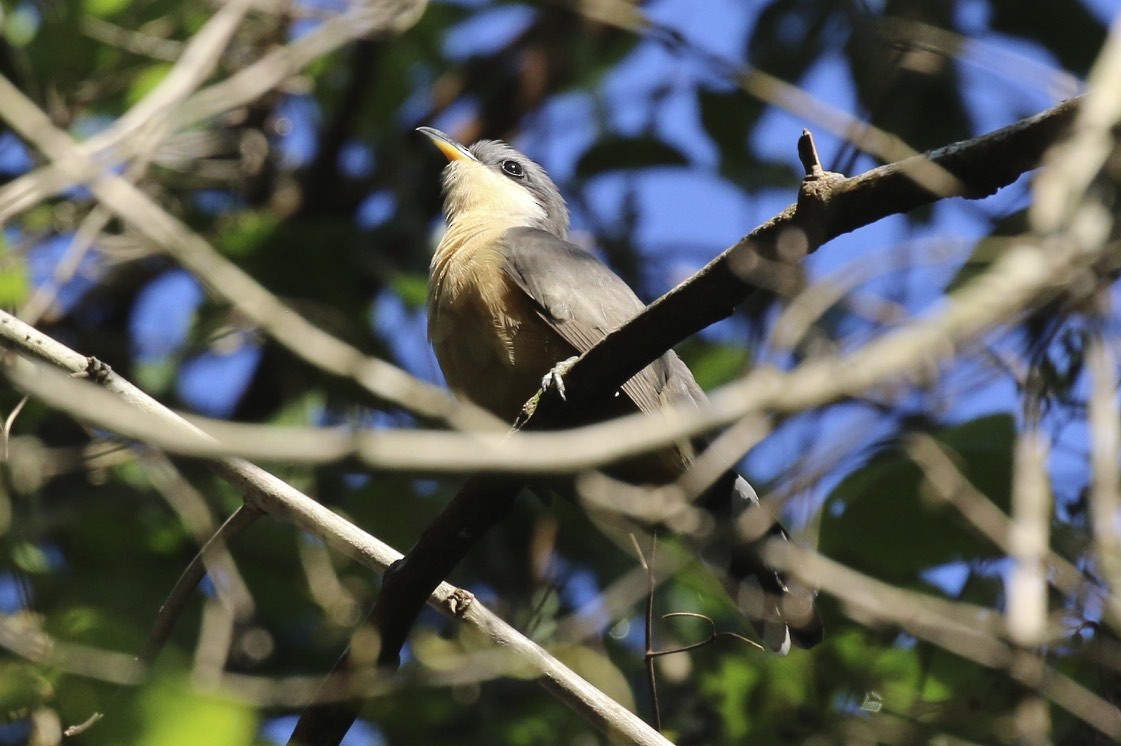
(448, 146)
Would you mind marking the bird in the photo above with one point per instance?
(511, 300)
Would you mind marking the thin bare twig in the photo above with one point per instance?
(648, 622)
(184, 588)
(713, 635)
(6, 431)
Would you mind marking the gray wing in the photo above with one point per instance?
(582, 300)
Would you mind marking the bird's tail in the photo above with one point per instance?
(781, 610)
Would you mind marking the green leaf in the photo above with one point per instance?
(14, 282)
(729, 118)
(789, 36)
(412, 288)
(984, 447)
(30, 558)
(21, 687)
(890, 675)
(715, 365)
(105, 8)
(156, 376)
(990, 248)
(1068, 30)
(81, 623)
(599, 671)
(149, 78)
(19, 25)
(878, 520)
(896, 671)
(892, 99)
(172, 714)
(242, 236)
(300, 410)
(731, 692)
(624, 153)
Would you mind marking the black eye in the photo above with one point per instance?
(513, 168)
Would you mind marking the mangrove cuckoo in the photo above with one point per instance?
(509, 299)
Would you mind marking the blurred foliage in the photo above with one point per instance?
(322, 192)
(882, 503)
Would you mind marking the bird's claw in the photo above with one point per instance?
(554, 379)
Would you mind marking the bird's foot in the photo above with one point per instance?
(554, 379)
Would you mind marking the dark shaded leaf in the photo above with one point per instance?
(904, 87)
(625, 153)
(878, 521)
(791, 34)
(1067, 29)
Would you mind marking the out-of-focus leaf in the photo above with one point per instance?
(789, 35)
(731, 690)
(21, 685)
(716, 364)
(176, 715)
(982, 589)
(984, 447)
(412, 288)
(894, 79)
(148, 79)
(623, 153)
(300, 410)
(30, 558)
(1067, 29)
(105, 8)
(18, 25)
(246, 233)
(989, 248)
(14, 283)
(955, 693)
(896, 671)
(80, 623)
(900, 679)
(878, 521)
(599, 671)
(156, 377)
(728, 118)
(1069, 541)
